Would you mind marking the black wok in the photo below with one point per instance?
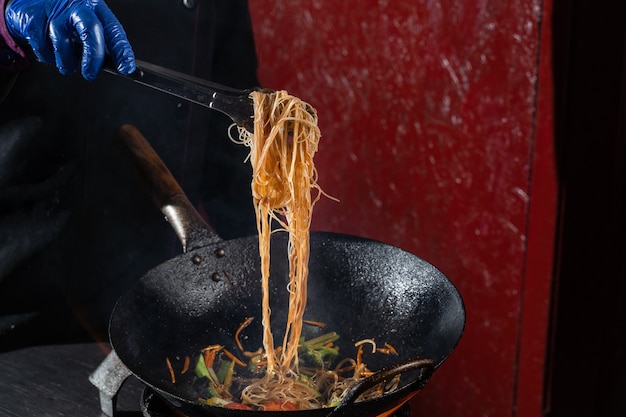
(360, 288)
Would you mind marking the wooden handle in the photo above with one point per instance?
(190, 227)
(158, 179)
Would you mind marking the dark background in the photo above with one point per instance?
(587, 360)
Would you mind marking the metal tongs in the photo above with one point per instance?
(236, 104)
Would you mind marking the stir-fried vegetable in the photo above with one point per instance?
(220, 374)
(320, 351)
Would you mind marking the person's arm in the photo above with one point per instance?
(12, 57)
(70, 34)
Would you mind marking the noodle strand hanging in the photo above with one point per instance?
(285, 139)
(281, 153)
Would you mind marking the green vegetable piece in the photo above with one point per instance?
(212, 392)
(228, 378)
(201, 369)
(222, 370)
(321, 340)
(319, 351)
(321, 356)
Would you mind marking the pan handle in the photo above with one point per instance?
(427, 366)
(168, 195)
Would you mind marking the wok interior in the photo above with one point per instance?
(359, 288)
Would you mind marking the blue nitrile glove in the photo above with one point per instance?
(52, 28)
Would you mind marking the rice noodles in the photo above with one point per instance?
(282, 147)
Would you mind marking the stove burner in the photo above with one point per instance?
(154, 406)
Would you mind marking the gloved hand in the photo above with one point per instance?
(52, 28)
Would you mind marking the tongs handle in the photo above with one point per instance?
(236, 104)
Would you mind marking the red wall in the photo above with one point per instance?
(437, 138)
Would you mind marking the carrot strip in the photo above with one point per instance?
(234, 358)
(359, 355)
(186, 365)
(239, 329)
(315, 323)
(209, 358)
(169, 366)
(212, 347)
(391, 348)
